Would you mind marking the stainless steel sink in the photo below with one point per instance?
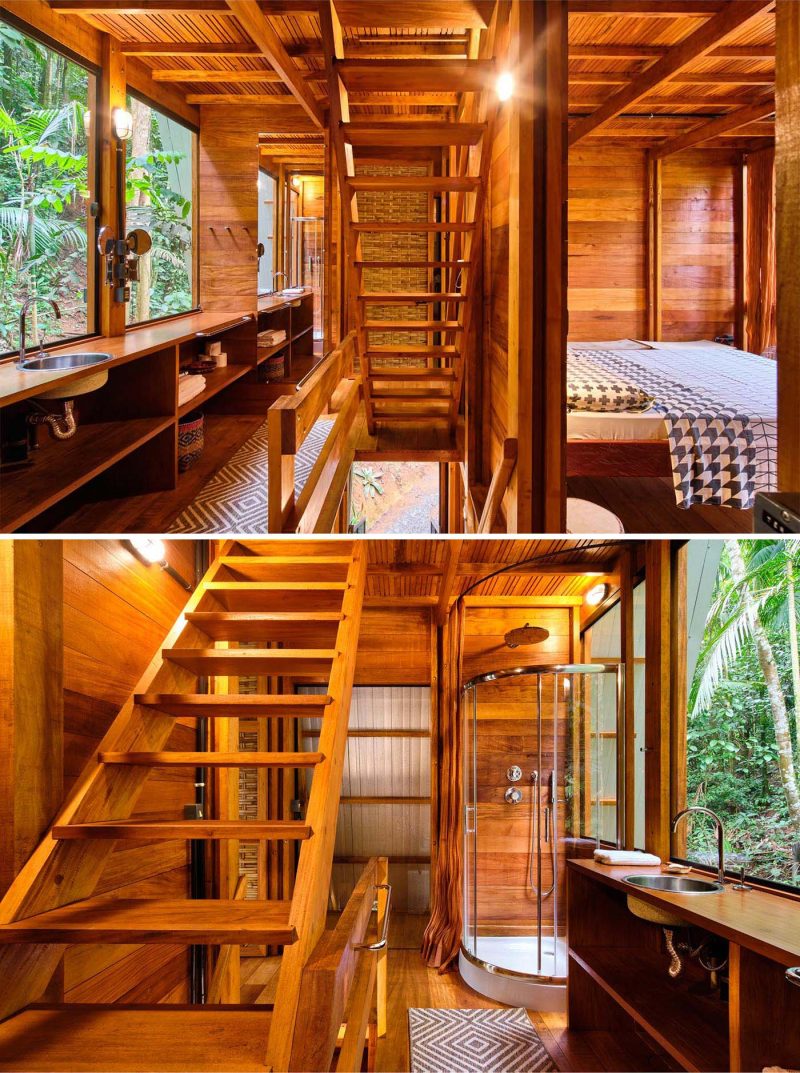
(56, 362)
(678, 884)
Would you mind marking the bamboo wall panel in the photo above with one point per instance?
(116, 614)
(506, 735)
(608, 252)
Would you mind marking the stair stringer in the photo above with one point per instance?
(312, 881)
(60, 872)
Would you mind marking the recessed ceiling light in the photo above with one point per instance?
(596, 594)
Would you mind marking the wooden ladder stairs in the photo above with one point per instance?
(413, 391)
(306, 599)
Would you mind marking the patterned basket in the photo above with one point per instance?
(190, 439)
(275, 367)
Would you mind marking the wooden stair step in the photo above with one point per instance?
(413, 325)
(153, 920)
(212, 759)
(267, 625)
(376, 133)
(285, 567)
(236, 705)
(208, 662)
(398, 372)
(411, 350)
(414, 416)
(415, 182)
(412, 298)
(186, 830)
(382, 395)
(78, 1038)
(413, 226)
(460, 265)
(275, 595)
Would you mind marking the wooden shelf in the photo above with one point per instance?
(691, 1027)
(305, 331)
(93, 449)
(217, 380)
(266, 352)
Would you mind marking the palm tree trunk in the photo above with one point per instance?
(794, 650)
(777, 698)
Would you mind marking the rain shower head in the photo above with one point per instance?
(526, 635)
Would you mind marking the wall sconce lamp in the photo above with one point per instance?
(123, 123)
(505, 86)
(596, 594)
(151, 550)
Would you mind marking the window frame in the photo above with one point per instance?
(93, 174)
(195, 214)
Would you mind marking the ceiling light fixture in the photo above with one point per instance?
(151, 550)
(505, 86)
(596, 594)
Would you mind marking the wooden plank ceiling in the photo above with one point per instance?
(642, 72)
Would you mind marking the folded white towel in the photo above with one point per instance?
(189, 386)
(625, 856)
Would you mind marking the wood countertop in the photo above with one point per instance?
(17, 384)
(268, 303)
(762, 921)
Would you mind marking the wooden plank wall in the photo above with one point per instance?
(608, 252)
(507, 734)
(394, 646)
(117, 612)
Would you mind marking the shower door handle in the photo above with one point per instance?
(467, 810)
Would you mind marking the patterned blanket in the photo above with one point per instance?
(722, 451)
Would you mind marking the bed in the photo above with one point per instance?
(709, 420)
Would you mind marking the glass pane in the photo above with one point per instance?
(45, 190)
(159, 191)
(743, 723)
(639, 594)
(266, 230)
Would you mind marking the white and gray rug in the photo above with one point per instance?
(235, 499)
(475, 1041)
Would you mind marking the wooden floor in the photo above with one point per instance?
(412, 984)
(153, 513)
(647, 505)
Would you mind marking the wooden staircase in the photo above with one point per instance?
(413, 390)
(312, 604)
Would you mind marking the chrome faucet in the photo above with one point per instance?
(275, 276)
(720, 835)
(26, 305)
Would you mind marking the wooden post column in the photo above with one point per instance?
(657, 697)
(654, 273)
(112, 90)
(31, 697)
(787, 170)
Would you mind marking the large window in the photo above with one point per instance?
(159, 196)
(743, 726)
(46, 184)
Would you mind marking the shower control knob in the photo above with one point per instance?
(513, 795)
(514, 773)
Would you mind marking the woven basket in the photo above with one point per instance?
(190, 439)
(275, 367)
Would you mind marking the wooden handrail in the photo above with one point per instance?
(498, 486)
(339, 979)
(225, 984)
(289, 421)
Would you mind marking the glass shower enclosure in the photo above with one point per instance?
(542, 782)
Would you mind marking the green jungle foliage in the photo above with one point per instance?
(45, 101)
(744, 713)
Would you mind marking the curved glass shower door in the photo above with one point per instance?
(540, 771)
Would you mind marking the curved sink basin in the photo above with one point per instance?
(58, 362)
(667, 918)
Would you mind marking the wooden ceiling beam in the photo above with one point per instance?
(682, 101)
(280, 100)
(654, 52)
(398, 76)
(145, 7)
(175, 74)
(448, 580)
(734, 16)
(188, 48)
(627, 78)
(734, 121)
(257, 26)
(444, 100)
(417, 14)
(665, 9)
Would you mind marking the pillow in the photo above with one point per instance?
(592, 388)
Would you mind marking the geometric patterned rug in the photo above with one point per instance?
(475, 1041)
(235, 499)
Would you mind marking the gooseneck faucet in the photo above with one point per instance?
(720, 835)
(275, 276)
(26, 305)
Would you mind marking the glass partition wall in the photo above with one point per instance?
(540, 767)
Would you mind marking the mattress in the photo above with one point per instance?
(586, 425)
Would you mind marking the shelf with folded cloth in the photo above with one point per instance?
(215, 381)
